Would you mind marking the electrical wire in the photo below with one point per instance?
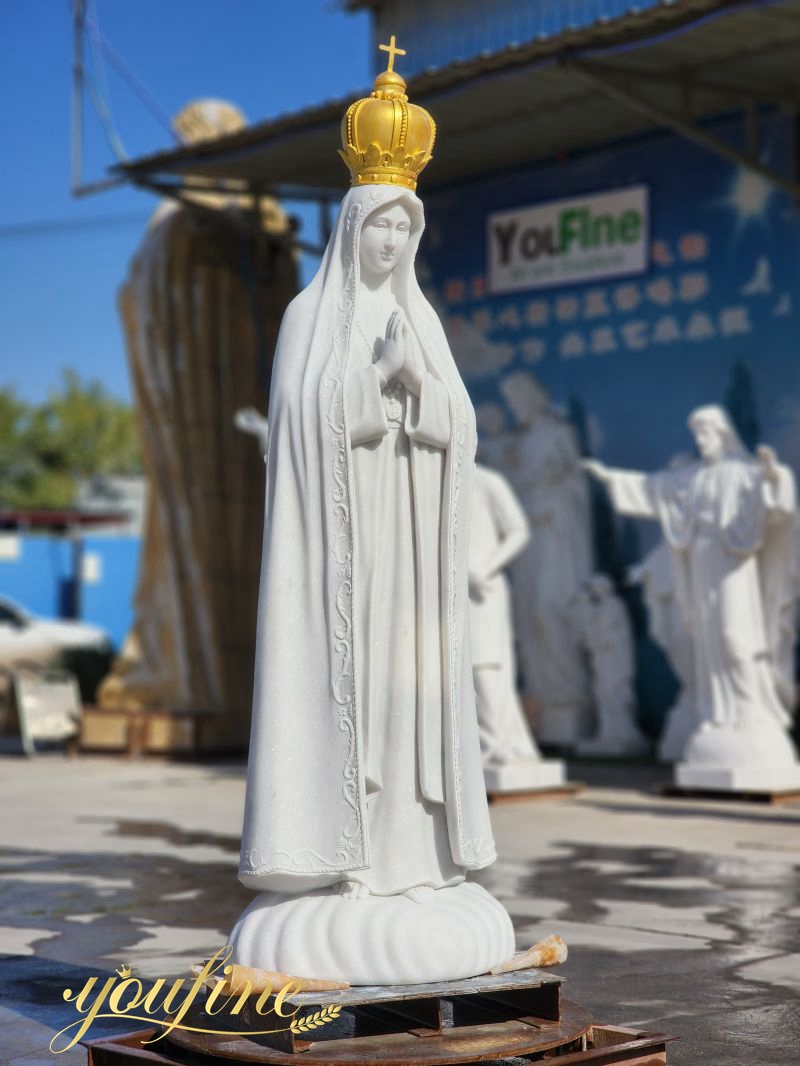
(45, 227)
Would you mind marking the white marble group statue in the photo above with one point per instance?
(542, 462)
(667, 626)
(365, 805)
(511, 759)
(730, 523)
(604, 632)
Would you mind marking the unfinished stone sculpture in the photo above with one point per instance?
(199, 332)
(365, 805)
(542, 462)
(511, 759)
(604, 632)
(730, 521)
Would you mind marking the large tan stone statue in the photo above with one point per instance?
(201, 307)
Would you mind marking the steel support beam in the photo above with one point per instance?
(592, 76)
(689, 78)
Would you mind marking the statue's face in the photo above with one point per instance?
(710, 441)
(523, 397)
(384, 235)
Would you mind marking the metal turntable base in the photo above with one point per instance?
(480, 1019)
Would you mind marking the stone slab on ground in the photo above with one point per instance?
(524, 775)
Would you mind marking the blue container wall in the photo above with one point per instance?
(44, 564)
(109, 601)
(435, 35)
(35, 578)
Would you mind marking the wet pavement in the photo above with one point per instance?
(680, 915)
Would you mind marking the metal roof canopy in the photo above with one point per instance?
(667, 67)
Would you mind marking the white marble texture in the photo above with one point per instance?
(667, 625)
(603, 629)
(524, 775)
(542, 461)
(440, 936)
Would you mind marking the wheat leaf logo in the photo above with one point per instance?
(314, 1021)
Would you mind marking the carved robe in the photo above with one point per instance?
(320, 751)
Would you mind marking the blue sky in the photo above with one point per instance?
(59, 282)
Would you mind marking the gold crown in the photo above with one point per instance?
(387, 140)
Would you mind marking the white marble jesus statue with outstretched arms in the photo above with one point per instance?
(365, 807)
(730, 521)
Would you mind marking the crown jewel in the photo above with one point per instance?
(386, 140)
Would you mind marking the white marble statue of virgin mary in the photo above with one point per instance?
(365, 804)
(730, 521)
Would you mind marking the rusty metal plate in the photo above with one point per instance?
(604, 1046)
(480, 1042)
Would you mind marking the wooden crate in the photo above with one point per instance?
(140, 732)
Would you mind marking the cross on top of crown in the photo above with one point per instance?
(393, 51)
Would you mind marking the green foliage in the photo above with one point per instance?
(80, 430)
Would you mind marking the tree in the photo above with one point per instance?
(78, 431)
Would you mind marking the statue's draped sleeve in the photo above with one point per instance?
(427, 415)
(366, 416)
(632, 493)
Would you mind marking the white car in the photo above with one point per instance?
(26, 637)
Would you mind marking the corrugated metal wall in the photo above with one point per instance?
(438, 32)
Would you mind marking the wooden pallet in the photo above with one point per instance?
(475, 1020)
(140, 732)
(565, 791)
(717, 795)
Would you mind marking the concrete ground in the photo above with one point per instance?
(680, 915)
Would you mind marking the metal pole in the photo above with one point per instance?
(76, 592)
(685, 129)
(79, 16)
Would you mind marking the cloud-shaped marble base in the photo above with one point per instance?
(453, 933)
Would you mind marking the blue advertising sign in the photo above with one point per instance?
(705, 311)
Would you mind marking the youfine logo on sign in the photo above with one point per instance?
(565, 241)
